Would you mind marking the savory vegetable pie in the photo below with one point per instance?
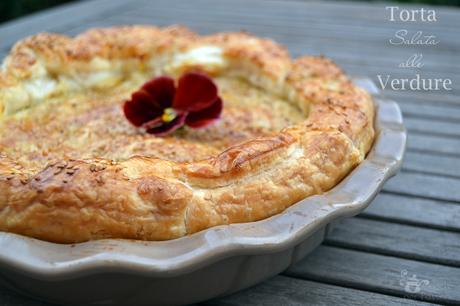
(147, 133)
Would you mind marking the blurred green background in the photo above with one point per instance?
(10, 9)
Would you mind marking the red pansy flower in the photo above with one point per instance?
(161, 108)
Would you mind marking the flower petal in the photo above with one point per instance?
(195, 92)
(205, 116)
(141, 108)
(168, 127)
(162, 90)
(157, 121)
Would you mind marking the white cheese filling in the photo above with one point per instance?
(206, 56)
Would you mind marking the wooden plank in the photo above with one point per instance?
(399, 240)
(421, 185)
(415, 211)
(316, 28)
(433, 127)
(424, 98)
(435, 164)
(437, 112)
(369, 11)
(99, 23)
(282, 290)
(379, 273)
(352, 10)
(434, 144)
(289, 14)
(368, 7)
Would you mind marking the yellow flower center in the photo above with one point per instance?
(169, 115)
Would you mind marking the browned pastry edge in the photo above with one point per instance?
(150, 199)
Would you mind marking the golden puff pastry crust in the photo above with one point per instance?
(72, 169)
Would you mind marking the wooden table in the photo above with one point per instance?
(405, 248)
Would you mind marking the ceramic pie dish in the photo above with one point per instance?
(255, 171)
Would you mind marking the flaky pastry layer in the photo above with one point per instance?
(140, 197)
